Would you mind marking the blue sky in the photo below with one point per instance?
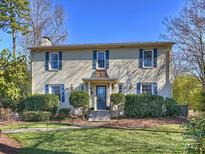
(107, 21)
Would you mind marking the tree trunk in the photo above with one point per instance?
(14, 42)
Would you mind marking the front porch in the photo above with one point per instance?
(99, 90)
(99, 87)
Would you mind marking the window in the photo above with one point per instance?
(54, 61)
(148, 59)
(82, 87)
(101, 59)
(147, 89)
(55, 89)
(120, 86)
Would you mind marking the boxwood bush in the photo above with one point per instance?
(117, 99)
(172, 108)
(62, 114)
(41, 102)
(80, 100)
(36, 116)
(140, 106)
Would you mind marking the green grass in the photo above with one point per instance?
(33, 125)
(101, 140)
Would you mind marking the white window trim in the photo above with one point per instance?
(49, 89)
(147, 84)
(119, 87)
(82, 85)
(152, 66)
(104, 60)
(51, 53)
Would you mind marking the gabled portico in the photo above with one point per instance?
(99, 88)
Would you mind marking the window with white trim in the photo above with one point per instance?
(101, 59)
(54, 61)
(147, 88)
(120, 86)
(82, 87)
(148, 58)
(55, 89)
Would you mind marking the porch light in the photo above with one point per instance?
(71, 87)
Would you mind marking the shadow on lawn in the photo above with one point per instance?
(40, 151)
(8, 149)
(89, 138)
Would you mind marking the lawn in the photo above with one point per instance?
(32, 125)
(102, 140)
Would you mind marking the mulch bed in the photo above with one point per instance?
(142, 123)
(8, 145)
(129, 123)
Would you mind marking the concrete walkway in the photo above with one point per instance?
(23, 130)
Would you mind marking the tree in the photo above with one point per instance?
(46, 19)
(14, 79)
(188, 32)
(14, 16)
(187, 90)
(117, 99)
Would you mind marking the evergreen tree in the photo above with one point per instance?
(14, 16)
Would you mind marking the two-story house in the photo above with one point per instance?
(101, 69)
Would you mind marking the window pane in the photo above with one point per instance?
(147, 58)
(147, 89)
(120, 88)
(101, 59)
(56, 90)
(54, 61)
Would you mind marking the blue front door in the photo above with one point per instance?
(101, 97)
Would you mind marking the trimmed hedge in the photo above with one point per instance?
(36, 116)
(140, 106)
(80, 99)
(117, 98)
(41, 102)
(62, 114)
(172, 108)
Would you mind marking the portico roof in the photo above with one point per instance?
(113, 80)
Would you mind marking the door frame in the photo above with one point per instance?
(105, 86)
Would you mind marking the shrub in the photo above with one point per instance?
(36, 115)
(141, 106)
(80, 100)
(172, 109)
(195, 130)
(63, 113)
(5, 113)
(41, 102)
(117, 99)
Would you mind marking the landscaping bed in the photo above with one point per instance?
(8, 145)
(128, 123)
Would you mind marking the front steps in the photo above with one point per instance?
(101, 115)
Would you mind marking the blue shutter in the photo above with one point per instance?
(62, 93)
(138, 88)
(94, 59)
(46, 60)
(46, 89)
(155, 88)
(155, 57)
(60, 60)
(107, 59)
(140, 58)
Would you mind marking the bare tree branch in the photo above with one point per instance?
(188, 32)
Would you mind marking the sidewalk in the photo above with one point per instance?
(23, 130)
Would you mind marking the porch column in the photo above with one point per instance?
(110, 91)
(90, 99)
